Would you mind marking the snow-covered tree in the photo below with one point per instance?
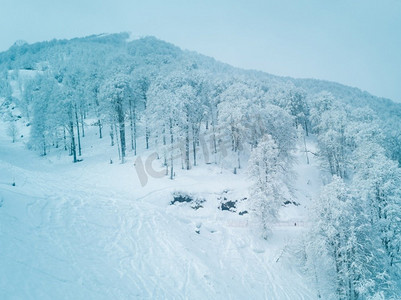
(378, 180)
(117, 91)
(342, 234)
(235, 115)
(329, 122)
(271, 178)
(47, 114)
(12, 131)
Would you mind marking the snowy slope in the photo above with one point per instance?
(90, 231)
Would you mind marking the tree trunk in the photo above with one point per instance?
(131, 124)
(111, 135)
(194, 142)
(194, 150)
(237, 148)
(165, 149)
(44, 147)
(99, 123)
(239, 160)
(187, 164)
(122, 140)
(82, 124)
(306, 127)
(117, 142)
(134, 131)
(65, 139)
(306, 151)
(171, 152)
(182, 158)
(73, 148)
(214, 142)
(77, 123)
(147, 136)
(147, 133)
(121, 126)
(57, 138)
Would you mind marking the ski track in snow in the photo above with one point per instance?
(75, 232)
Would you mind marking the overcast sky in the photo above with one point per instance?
(354, 42)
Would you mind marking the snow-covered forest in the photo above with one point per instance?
(319, 157)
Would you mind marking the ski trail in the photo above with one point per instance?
(69, 232)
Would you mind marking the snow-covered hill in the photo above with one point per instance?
(91, 231)
(154, 172)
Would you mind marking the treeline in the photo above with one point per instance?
(356, 229)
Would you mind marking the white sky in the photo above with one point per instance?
(354, 42)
